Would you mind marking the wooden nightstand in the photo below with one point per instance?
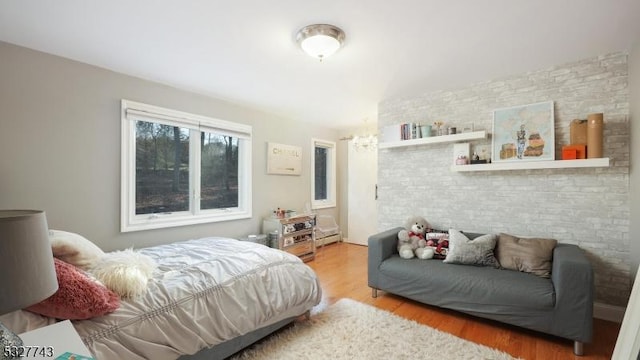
(51, 341)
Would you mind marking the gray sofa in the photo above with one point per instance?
(560, 306)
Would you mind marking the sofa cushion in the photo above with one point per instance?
(530, 255)
(478, 251)
(463, 287)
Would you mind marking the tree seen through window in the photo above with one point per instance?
(162, 169)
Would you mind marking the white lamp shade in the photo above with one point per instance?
(27, 273)
(320, 46)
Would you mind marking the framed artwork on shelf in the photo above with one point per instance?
(523, 133)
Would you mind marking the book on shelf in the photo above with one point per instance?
(404, 131)
(409, 131)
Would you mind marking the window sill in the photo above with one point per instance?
(165, 221)
(326, 205)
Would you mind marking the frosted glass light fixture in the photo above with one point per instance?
(365, 143)
(320, 40)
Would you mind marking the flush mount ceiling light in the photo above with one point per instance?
(320, 40)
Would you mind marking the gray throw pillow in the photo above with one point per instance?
(530, 255)
(478, 251)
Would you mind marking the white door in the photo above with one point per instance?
(362, 178)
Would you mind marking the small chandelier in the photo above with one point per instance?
(320, 40)
(365, 143)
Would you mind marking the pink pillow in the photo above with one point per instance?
(78, 297)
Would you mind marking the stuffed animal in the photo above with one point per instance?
(411, 241)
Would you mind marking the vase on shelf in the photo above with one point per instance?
(425, 131)
(439, 129)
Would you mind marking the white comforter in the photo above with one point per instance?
(204, 292)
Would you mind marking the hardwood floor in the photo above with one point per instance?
(342, 269)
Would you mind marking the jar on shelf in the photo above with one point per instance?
(439, 129)
(462, 160)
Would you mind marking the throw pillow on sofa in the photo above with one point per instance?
(438, 240)
(530, 255)
(478, 251)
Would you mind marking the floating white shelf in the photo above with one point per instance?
(525, 165)
(476, 135)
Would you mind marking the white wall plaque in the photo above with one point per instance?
(284, 159)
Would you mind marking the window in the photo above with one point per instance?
(180, 169)
(323, 174)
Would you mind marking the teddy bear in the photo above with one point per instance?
(411, 241)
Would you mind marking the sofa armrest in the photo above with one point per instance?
(381, 247)
(572, 277)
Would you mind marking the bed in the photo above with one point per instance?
(209, 298)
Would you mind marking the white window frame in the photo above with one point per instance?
(331, 174)
(131, 112)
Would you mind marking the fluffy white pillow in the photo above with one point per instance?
(125, 272)
(74, 249)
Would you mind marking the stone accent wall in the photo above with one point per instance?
(586, 206)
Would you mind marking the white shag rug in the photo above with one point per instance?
(353, 330)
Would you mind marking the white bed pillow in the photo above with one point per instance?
(74, 249)
(20, 321)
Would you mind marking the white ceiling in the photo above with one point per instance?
(244, 51)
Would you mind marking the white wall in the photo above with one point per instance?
(588, 207)
(60, 146)
(634, 85)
